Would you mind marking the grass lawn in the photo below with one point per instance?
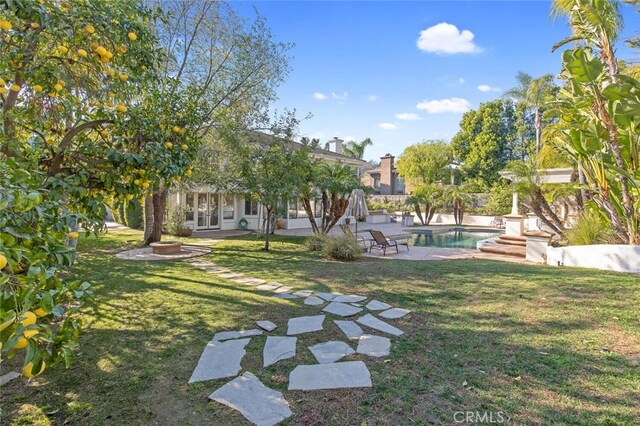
(542, 345)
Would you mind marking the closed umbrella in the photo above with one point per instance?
(357, 205)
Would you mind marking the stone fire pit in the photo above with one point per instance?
(166, 247)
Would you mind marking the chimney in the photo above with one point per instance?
(386, 175)
(338, 145)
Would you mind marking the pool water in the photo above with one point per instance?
(453, 238)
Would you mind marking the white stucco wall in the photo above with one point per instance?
(609, 257)
(468, 219)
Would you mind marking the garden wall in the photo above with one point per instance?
(608, 257)
(447, 219)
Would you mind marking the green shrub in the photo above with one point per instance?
(342, 248)
(133, 214)
(174, 224)
(315, 242)
(590, 228)
(500, 202)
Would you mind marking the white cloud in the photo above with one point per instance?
(387, 126)
(338, 97)
(372, 98)
(320, 96)
(408, 116)
(446, 39)
(436, 106)
(487, 88)
(461, 80)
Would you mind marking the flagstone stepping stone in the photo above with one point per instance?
(230, 275)
(376, 305)
(258, 403)
(350, 374)
(277, 348)
(215, 269)
(252, 281)
(266, 325)
(328, 296)
(332, 351)
(285, 296)
(313, 301)
(349, 328)
(6, 378)
(283, 289)
(303, 293)
(373, 322)
(301, 325)
(268, 286)
(350, 298)
(228, 335)
(219, 359)
(341, 309)
(394, 313)
(375, 346)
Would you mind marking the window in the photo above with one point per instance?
(228, 207)
(189, 206)
(376, 183)
(250, 206)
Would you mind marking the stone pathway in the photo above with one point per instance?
(261, 405)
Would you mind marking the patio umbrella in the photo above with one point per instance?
(357, 205)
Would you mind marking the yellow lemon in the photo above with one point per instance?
(49, 141)
(142, 171)
(169, 145)
(104, 133)
(35, 25)
(22, 343)
(28, 318)
(145, 185)
(187, 173)
(184, 146)
(136, 181)
(129, 197)
(121, 108)
(3, 260)
(82, 53)
(120, 48)
(63, 49)
(27, 370)
(111, 95)
(28, 334)
(132, 36)
(58, 87)
(111, 72)
(73, 235)
(123, 77)
(15, 88)
(5, 25)
(1, 82)
(101, 50)
(176, 129)
(40, 312)
(3, 91)
(109, 54)
(89, 28)
(37, 88)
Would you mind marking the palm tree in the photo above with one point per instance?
(356, 149)
(534, 93)
(459, 199)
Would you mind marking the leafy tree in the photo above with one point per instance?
(70, 142)
(356, 149)
(312, 143)
(428, 196)
(598, 114)
(223, 68)
(458, 198)
(425, 162)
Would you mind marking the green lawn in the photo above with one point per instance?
(542, 345)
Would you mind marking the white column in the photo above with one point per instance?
(514, 205)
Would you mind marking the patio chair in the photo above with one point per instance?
(359, 238)
(497, 222)
(381, 242)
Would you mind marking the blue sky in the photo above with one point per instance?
(358, 70)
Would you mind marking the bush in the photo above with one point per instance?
(175, 220)
(315, 242)
(500, 202)
(342, 248)
(133, 214)
(590, 229)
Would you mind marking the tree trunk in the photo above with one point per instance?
(267, 234)
(148, 217)
(538, 126)
(416, 207)
(306, 204)
(584, 194)
(159, 204)
(429, 212)
(542, 209)
(537, 209)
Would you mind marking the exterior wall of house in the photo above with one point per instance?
(387, 181)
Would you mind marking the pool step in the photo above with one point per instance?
(512, 240)
(505, 250)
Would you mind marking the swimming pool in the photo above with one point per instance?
(453, 238)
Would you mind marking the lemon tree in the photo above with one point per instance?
(82, 125)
